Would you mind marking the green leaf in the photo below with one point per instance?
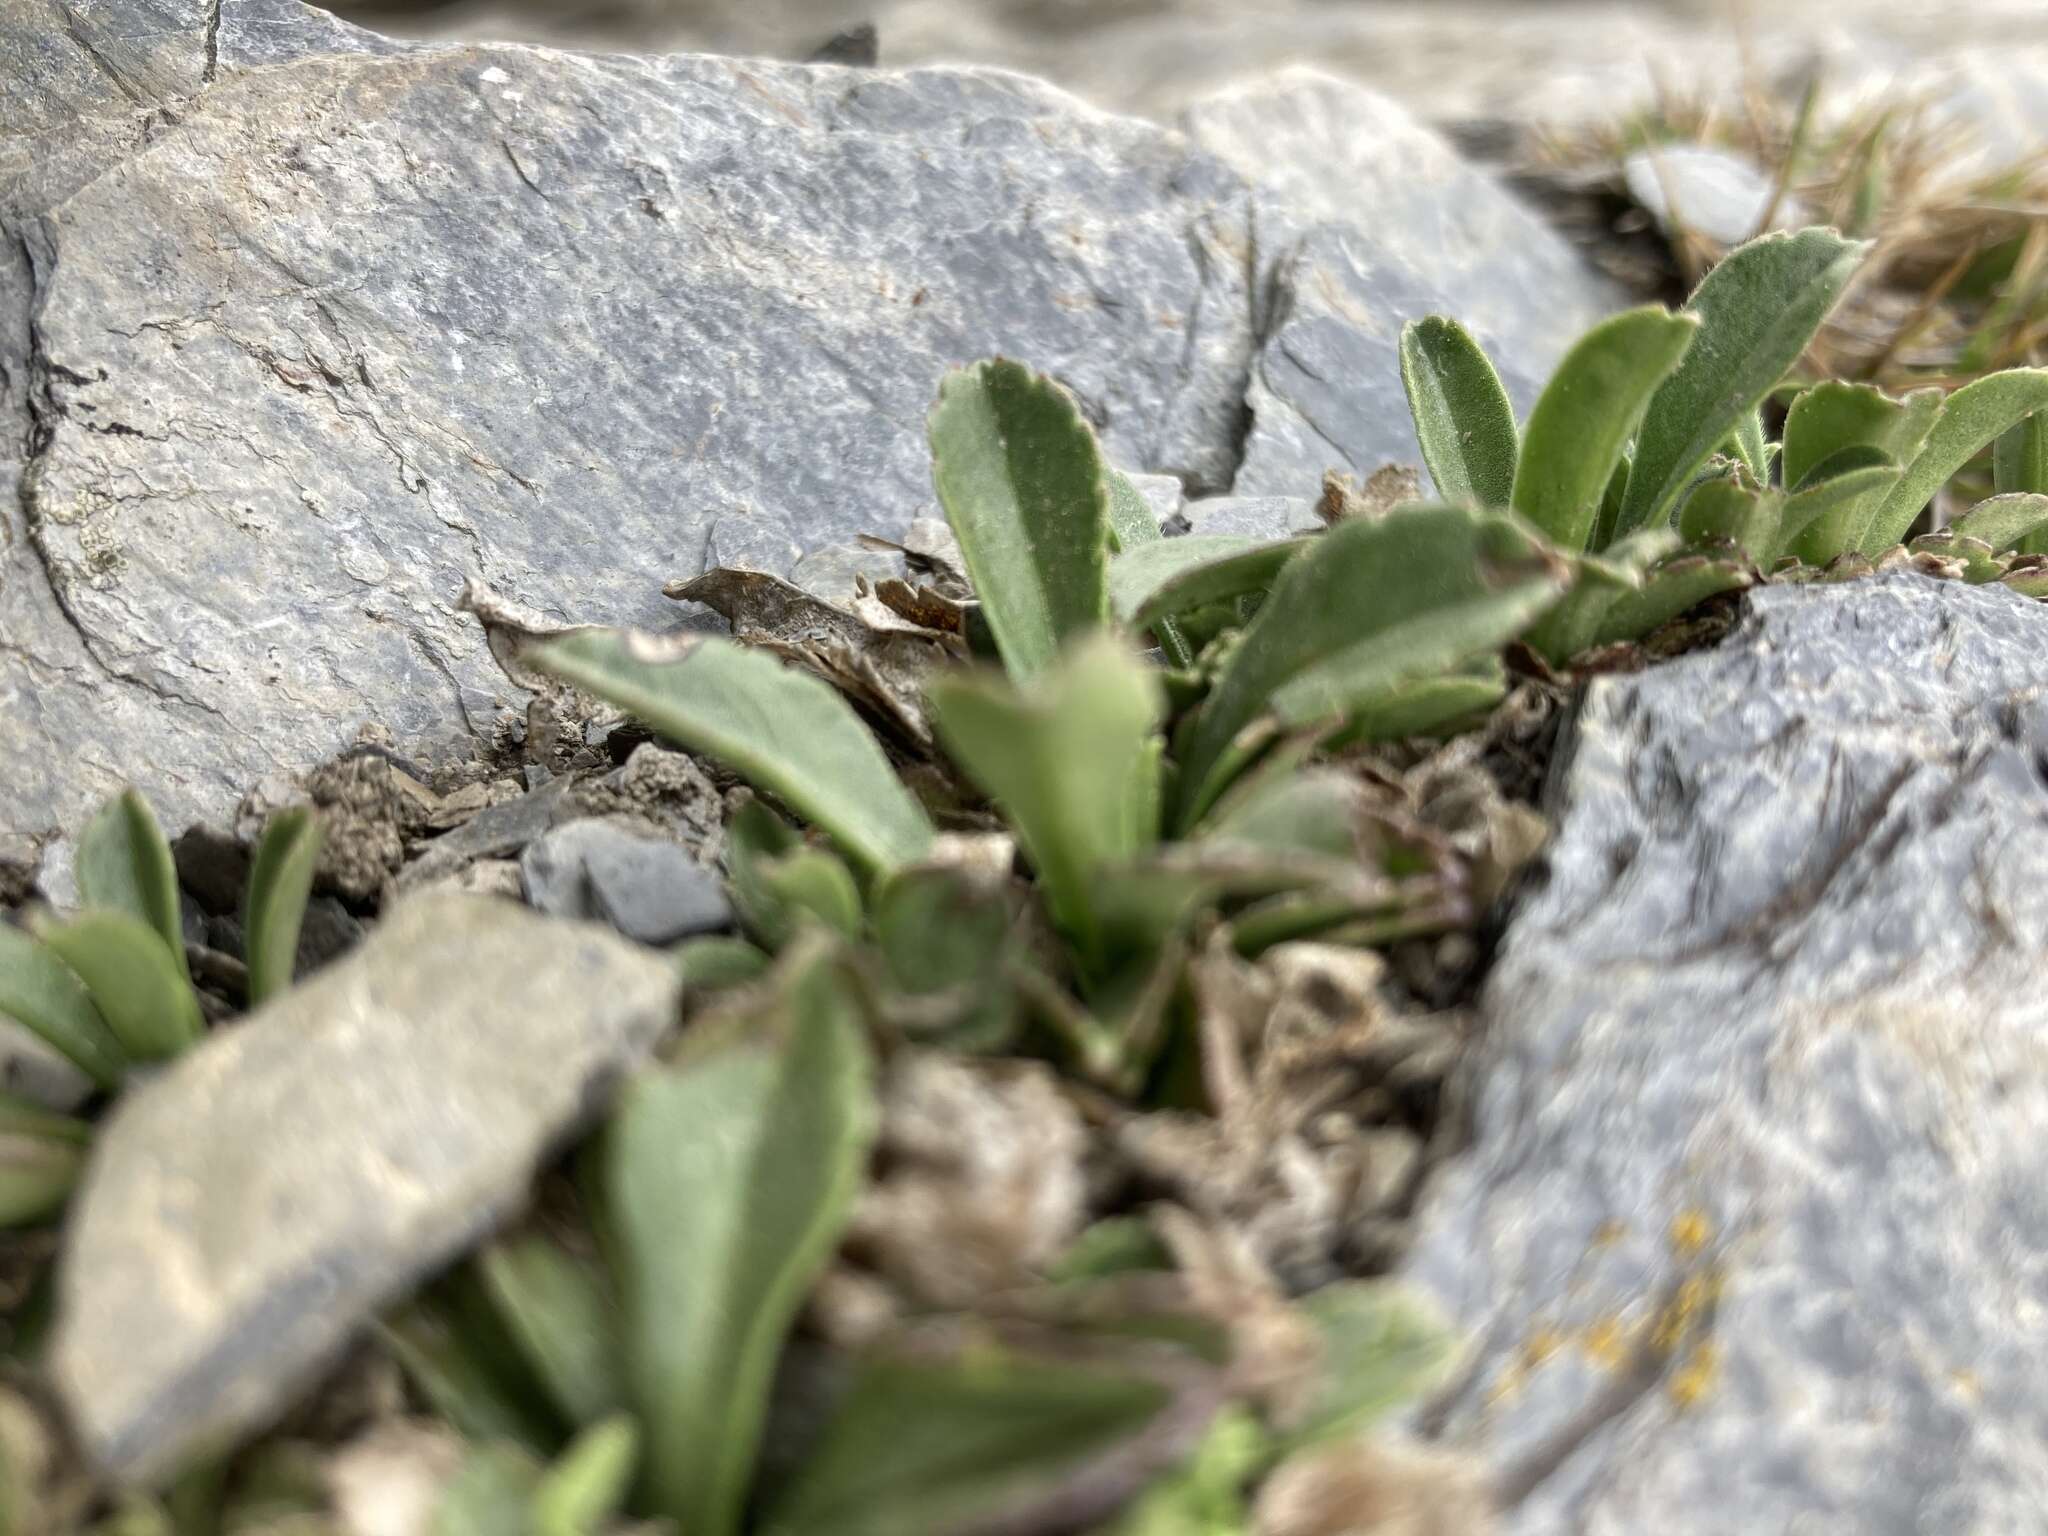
(1748, 445)
(717, 961)
(2020, 464)
(280, 880)
(1836, 496)
(780, 884)
(2003, 522)
(1023, 485)
(1833, 416)
(1672, 589)
(946, 933)
(125, 865)
(582, 1491)
(1206, 1497)
(41, 1157)
(1598, 583)
(147, 1003)
(1429, 706)
(1132, 526)
(1180, 575)
(729, 1177)
(490, 1493)
(1368, 607)
(1115, 1245)
(1732, 510)
(1382, 1346)
(1587, 414)
(558, 1311)
(1758, 309)
(466, 1370)
(44, 995)
(1067, 761)
(980, 1441)
(780, 730)
(1975, 417)
(1462, 416)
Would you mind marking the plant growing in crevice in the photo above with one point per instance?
(109, 989)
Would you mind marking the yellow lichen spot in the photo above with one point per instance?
(1679, 1320)
(1690, 1382)
(1606, 1343)
(1541, 1345)
(1967, 1383)
(1691, 1231)
(1608, 1233)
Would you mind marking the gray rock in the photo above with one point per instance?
(1715, 192)
(1252, 517)
(647, 888)
(832, 573)
(356, 1134)
(300, 327)
(1363, 219)
(1164, 494)
(1752, 1235)
(495, 832)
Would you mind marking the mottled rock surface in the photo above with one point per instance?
(299, 327)
(244, 1213)
(1755, 1234)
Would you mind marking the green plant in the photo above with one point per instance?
(109, 988)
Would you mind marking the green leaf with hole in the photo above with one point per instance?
(148, 1005)
(41, 1156)
(125, 865)
(581, 1492)
(44, 995)
(1974, 418)
(1730, 510)
(2003, 522)
(1024, 487)
(559, 1311)
(1587, 414)
(779, 729)
(1180, 575)
(1070, 761)
(280, 881)
(1462, 416)
(1368, 607)
(1759, 308)
(729, 1177)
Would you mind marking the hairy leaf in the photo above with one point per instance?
(1179, 575)
(125, 865)
(1833, 416)
(1732, 510)
(1748, 445)
(989, 1439)
(490, 1493)
(280, 880)
(1975, 417)
(778, 729)
(565, 1322)
(465, 1371)
(1429, 706)
(44, 995)
(2003, 522)
(1587, 414)
(1024, 487)
(1758, 310)
(1070, 762)
(1462, 416)
(946, 937)
(729, 1177)
(138, 989)
(1371, 605)
(717, 961)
